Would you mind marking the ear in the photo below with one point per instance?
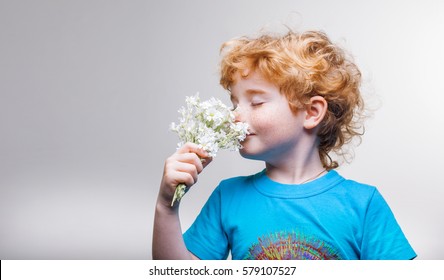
(315, 112)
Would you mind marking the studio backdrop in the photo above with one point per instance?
(88, 90)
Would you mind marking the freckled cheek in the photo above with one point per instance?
(272, 124)
(262, 123)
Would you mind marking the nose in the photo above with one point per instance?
(238, 116)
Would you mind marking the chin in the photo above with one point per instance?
(248, 155)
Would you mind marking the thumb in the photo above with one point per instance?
(205, 161)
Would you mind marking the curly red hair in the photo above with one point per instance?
(304, 65)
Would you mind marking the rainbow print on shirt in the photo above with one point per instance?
(291, 246)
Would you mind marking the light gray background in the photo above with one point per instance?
(89, 88)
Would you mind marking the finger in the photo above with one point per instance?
(189, 158)
(188, 168)
(185, 178)
(193, 148)
(178, 164)
(206, 161)
(173, 177)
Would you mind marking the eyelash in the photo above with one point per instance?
(253, 104)
(256, 104)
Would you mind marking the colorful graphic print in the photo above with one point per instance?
(291, 246)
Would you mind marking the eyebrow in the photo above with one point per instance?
(255, 91)
(249, 92)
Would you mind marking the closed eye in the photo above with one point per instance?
(256, 104)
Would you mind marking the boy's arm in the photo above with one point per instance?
(168, 243)
(182, 167)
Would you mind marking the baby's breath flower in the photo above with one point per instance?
(209, 124)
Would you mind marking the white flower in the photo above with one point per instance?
(211, 125)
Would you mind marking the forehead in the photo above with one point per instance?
(253, 83)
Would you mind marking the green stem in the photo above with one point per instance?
(178, 193)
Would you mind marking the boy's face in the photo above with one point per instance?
(275, 130)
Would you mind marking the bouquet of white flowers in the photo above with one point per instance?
(209, 124)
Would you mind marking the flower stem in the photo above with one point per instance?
(178, 193)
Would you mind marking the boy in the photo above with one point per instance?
(300, 95)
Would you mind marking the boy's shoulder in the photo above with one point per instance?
(356, 186)
(239, 180)
(356, 192)
(356, 183)
(239, 183)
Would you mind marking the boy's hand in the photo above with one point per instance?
(182, 167)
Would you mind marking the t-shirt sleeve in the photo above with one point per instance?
(206, 238)
(383, 238)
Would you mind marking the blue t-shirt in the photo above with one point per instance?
(328, 218)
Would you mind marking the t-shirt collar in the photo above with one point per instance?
(268, 187)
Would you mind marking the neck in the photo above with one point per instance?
(296, 168)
